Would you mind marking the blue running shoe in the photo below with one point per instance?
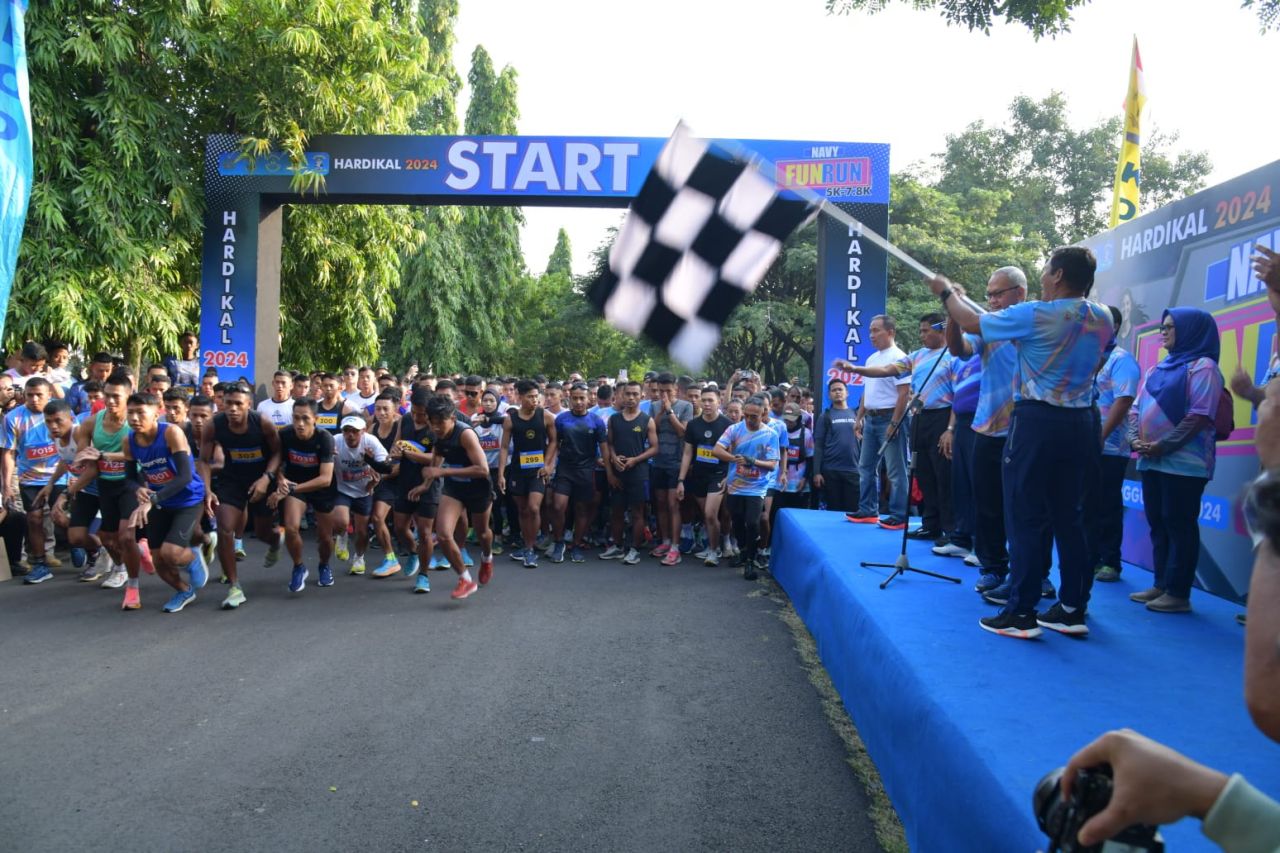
(557, 552)
(999, 595)
(517, 554)
(198, 571)
(39, 574)
(438, 561)
(531, 558)
(467, 562)
(423, 584)
(79, 557)
(577, 556)
(1047, 590)
(298, 582)
(988, 582)
(326, 575)
(180, 600)
(411, 566)
(686, 544)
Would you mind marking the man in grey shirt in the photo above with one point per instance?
(835, 452)
(671, 414)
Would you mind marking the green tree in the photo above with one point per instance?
(1041, 17)
(561, 260)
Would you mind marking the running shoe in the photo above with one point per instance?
(467, 562)
(240, 554)
(531, 559)
(422, 584)
(51, 560)
(235, 597)
(210, 548)
(988, 582)
(862, 519)
(342, 551)
(197, 570)
(749, 570)
(1022, 626)
(116, 578)
(273, 553)
(702, 555)
(764, 554)
(90, 573)
(950, 550)
(712, 557)
(132, 599)
(326, 575)
(385, 569)
(144, 560)
(78, 558)
(517, 554)
(661, 550)
(180, 599)
(613, 552)
(1000, 595)
(357, 566)
(632, 558)
(438, 561)
(557, 553)
(672, 557)
(486, 571)
(496, 546)
(1106, 574)
(1047, 590)
(972, 560)
(1056, 618)
(464, 589)
(543, 542)
(577, 556)
(298, 581)
(890, 524)
(39, 574)
(686, 544)
(412, 566)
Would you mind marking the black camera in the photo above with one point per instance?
(1061, 819)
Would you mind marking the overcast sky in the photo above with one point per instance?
(784, 69)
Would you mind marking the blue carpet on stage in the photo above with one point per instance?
(962, 723)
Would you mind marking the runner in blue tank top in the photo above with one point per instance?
(170, 497)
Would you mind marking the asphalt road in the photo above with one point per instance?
(573, 707)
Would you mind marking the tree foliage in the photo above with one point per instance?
(561, 260)
(1041, 17)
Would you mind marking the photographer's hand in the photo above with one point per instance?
(1152, 784)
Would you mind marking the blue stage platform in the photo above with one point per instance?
(962, 723)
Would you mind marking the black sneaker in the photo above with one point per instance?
(923, 533)
(749, 571)
(1058, 619)
(1023, 626)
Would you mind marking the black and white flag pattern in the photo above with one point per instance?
(698, 238)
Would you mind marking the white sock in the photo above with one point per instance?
(466, 575)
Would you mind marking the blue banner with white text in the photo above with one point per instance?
(15, 143)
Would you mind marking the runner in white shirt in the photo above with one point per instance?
(359, 460)
(279, 409)
(366, 390)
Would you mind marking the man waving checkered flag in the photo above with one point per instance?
(698, 238)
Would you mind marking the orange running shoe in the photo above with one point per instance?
(148, 565)
(464, 589)
(486, 571)
(132, 600)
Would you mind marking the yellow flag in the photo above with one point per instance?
(1124, 200)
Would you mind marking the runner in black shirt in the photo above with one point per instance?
(529, 432)
(633, 440)
(581, 436)
(459, 460)
(702, 474)
(306, 479)
(416, 497)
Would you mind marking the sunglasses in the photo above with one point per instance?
(472, 393)
(992, 294)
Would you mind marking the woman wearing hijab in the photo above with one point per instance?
(1171, 428)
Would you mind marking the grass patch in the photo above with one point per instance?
(888, 827)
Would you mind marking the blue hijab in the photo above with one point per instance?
(1195, 336)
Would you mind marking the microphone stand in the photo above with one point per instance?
(902, 565)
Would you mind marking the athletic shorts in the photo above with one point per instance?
(173, 525)
(236, 494)
(362, 505)
(321, 502)
(117, 499)
(423, 507)
(385, 492)
(521, 483)
(700, 487)
(475, 495)
(664, 479)
(771, 494)
(579, 485)
(83, 508)
(634, 488)
(602, 482)
(28, 495)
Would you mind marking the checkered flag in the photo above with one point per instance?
(698, 238)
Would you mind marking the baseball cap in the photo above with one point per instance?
(353, 422)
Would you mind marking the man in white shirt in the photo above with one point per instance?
(883, 402)
(279, 409)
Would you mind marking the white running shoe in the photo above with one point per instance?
(972, 560)
(950, 550)
(118, 578)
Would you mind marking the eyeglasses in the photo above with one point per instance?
(1166, 327)
(992, 294)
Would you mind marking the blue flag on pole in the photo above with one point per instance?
(15, 143)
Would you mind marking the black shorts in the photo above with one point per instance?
(84, 508)
(521, 483)
(664, 479)
(117, 499)
(236, 494)
(602, 482)
(423, 507)
(28, 495)
(474, 495)
(579, 485)
(385, 492)
(634, 488)
(706, 484)
(362, 505)
(173, 525)
(321, 502)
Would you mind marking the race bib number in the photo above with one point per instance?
(327, 421)
(793, 453)
(246, 455)
(44, 451)
(352, 476)
(110, 466)
(705, 454)
(490, 443)
(530, 459)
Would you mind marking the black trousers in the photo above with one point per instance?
(989, 541)
(840, 490)
(1172, 504)
(962, 501)
(745, 511)
(1104, 512)
(933, 470)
